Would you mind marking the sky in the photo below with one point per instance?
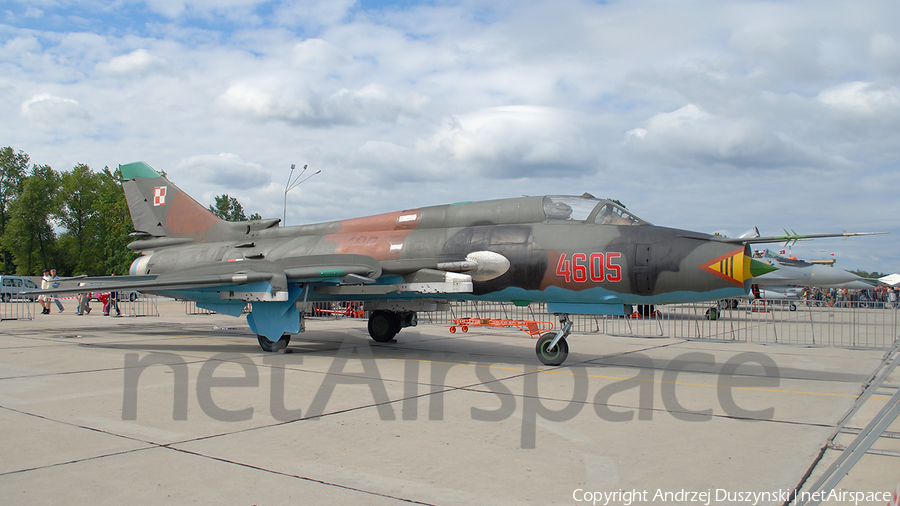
(713, 116)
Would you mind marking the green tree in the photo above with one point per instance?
(228, 208)
(13, 167)
(115, 224)
(255, 216)
(79, 214)
(29, 235)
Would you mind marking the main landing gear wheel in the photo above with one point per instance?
(712, 313)
(728, 304)
(551, 356)
(383, 325)
(269, 345)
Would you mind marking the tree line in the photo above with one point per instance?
(75, 221)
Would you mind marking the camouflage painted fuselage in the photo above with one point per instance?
(552, 257)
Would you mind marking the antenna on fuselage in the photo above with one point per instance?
(292, 183)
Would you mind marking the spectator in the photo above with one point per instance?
(54, 283)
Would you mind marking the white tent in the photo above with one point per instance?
(893, 280)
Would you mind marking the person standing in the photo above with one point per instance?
(42, 298)
(84, 302)
(54, 283)
(112, 303)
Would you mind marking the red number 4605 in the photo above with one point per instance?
(596, 267)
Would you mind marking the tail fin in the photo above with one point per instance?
(160, 208)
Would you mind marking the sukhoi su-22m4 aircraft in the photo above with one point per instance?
(579, 255)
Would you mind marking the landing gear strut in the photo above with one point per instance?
(552, 348)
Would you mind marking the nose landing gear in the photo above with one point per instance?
(552, 348)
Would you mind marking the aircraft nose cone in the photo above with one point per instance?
(758, 268)
(736, 267)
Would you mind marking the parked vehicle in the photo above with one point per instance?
(12, 286)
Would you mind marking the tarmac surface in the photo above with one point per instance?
(187, 409)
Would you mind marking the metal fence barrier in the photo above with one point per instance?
(860, 324)
(318, 309)
(190, 308)
(129, 303)
(17, 309)
(852, 324)
(137, 304)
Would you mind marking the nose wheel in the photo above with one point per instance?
(551, 355)
(272, 346)
(552, 348)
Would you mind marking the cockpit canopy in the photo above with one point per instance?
(599, 211)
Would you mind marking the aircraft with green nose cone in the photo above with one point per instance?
(577, 254)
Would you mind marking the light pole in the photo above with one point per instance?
(293, 183)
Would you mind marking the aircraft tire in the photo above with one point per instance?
(557, 355)
(793, 307)
(712, 313)
(269, 345)
(383, 326)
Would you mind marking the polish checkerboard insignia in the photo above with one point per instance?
(159, 196)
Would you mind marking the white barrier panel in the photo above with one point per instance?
(128, 303)
(190, 308)
(860, 324)
(17, 309)
(137, 304)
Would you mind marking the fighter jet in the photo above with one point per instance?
(577, 254)
(791, 271)
(787, 282)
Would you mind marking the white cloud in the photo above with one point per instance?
(33, 13)
(515, 142)
(20, 48)
(274, 100)
(138, 62)
(177, 8)
(53, 111)
(884, 46)
(315, 53)
(225, 170)
(312, 14)
(691, 136)
(862, 98)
